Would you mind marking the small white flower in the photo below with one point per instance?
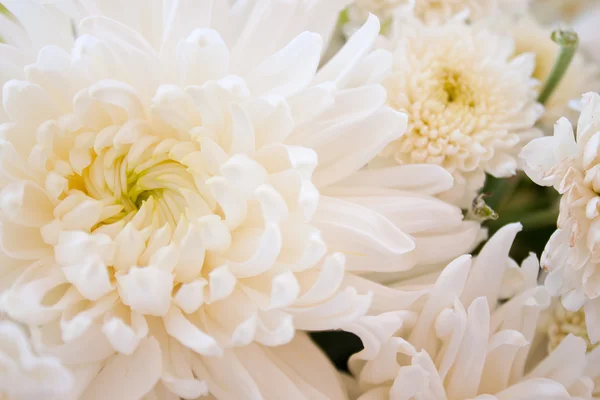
(26, 375)
(462, 343)
(471, 103)
(581, 76)
(571, 164)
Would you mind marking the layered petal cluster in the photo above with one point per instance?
(25, 374)
(471, 102)
(462, 343)
(405, 196)
(581, 76)
(570, 163)
(163, 231)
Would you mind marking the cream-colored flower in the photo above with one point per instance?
(462, 343)
(471, 103)
(571, 164)
(26, 375)
(581, 77)
(163, 226)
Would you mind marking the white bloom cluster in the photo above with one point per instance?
(570, 163)
(182, 192)
(189, 188)
(471, 103)
(461, 343)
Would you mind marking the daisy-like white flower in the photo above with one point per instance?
(471, 103)
(25, 374)
(163, 229)
(462, 343)
(581, 76)
(570, 163)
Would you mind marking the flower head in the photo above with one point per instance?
(471, 103)
(162, 226)
(569, 162)
(462, 343)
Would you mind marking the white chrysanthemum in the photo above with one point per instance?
(25, 375)
(162, 225)
(580, 78)
(471, 103)
(461, 343)
(571, 164)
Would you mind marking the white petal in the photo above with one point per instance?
(490, 265)
(425, 179)
(20, 98)
(342, 64)
(290, 69)
(146, 290)
(201, 57)
(178, 326)
(128, 376)
(369, 241)
(221, 283)
(124, 338)
(360, 142)
(26, 203)
(190, 296)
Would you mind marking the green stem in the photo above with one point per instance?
(501, 191)
(568, 42)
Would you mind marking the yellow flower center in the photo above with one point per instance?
(442, 119)
(565, 323)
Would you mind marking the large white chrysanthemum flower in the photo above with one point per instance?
(462, 343)
(571, 164)
(163, 229)
(471, 103)
(581, 76)
(26, 375)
